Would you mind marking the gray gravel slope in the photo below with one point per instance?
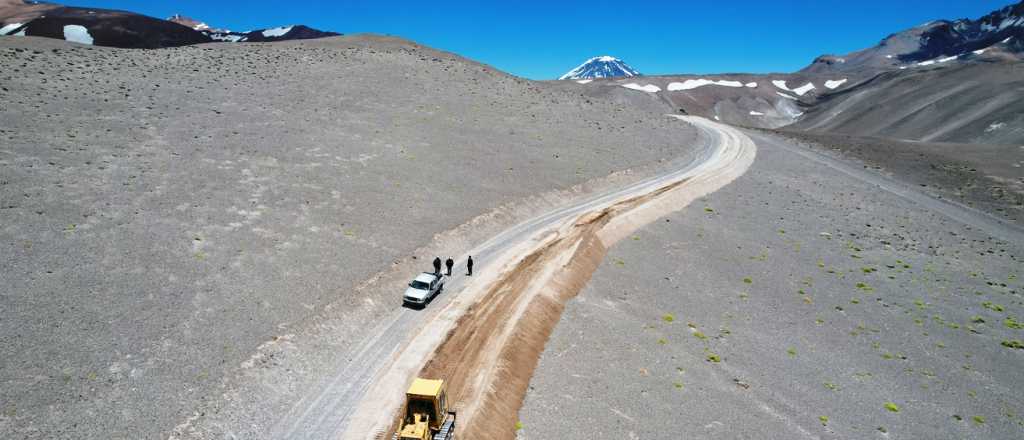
(963, 103)
(795, 303)
(989, 178)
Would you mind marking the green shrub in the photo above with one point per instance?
(1013, 343)
(992, 306)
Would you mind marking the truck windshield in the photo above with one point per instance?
(420, 285)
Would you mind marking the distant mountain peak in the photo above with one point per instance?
(936, 41)
(189, 22)
(604, 66)
(292, 32)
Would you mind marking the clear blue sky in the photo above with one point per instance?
(543, 39)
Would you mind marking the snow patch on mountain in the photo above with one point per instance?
(8, 28)
(787, 96)
(691, 84)
(232, 38)
(77, 34)
(802, 90)
(277, 32)
(600, 67)
(832, 84)
(650, 88)
(938, 61)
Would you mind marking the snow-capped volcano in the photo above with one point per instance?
(600, 67)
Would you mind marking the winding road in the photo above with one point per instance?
(360, 399)
(363, 393)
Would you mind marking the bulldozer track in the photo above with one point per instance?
(487, 342)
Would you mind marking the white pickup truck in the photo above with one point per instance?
(423, 289)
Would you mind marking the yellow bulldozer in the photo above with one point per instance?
(426, 414)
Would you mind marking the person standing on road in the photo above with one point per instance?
(437, 265)
(469, 265)
(449, 263)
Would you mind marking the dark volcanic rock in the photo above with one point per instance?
(115, 28)
(284, 33)
(130, 30)
(297, 32)
(945, 38)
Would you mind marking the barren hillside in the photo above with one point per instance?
(165, 212)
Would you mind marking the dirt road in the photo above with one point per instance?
(486, 336)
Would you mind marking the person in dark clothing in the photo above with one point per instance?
(437, 265)
(449, 263)
(469, 265)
